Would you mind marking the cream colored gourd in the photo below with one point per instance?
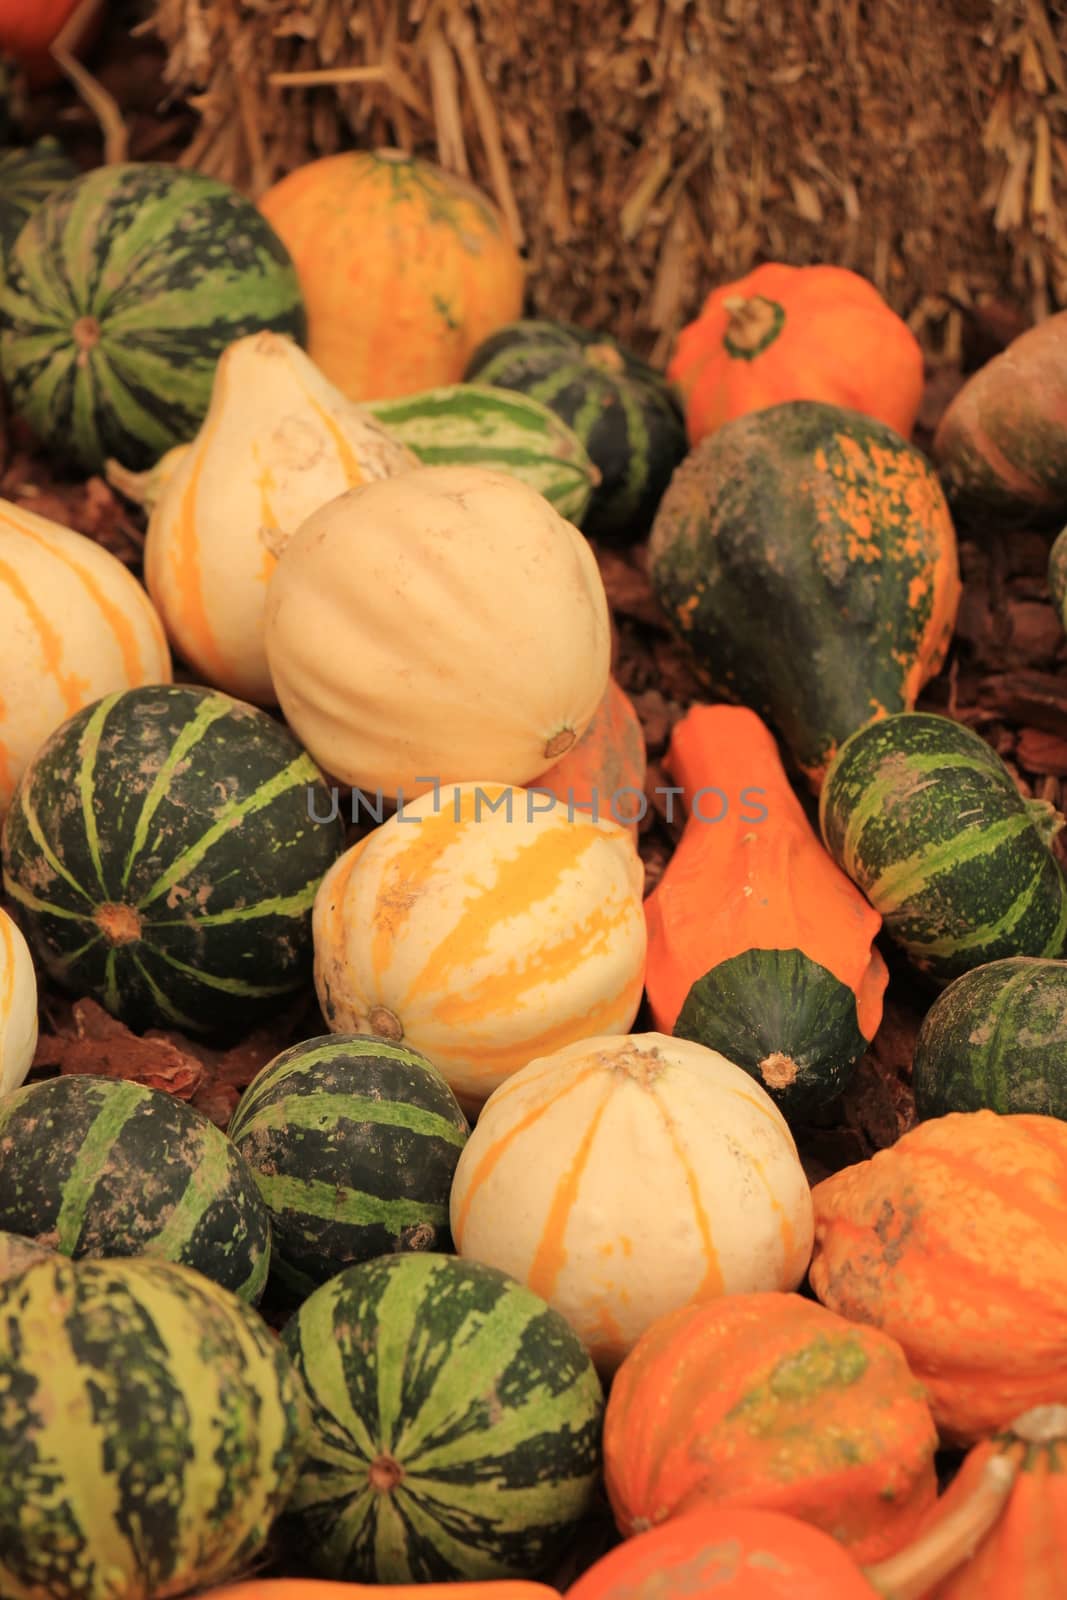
(18, 1006)
(620, 1177)
(448, 625)
(75, 624)
(278, 441)
(482, 929)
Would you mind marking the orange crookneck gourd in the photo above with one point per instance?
(759, 945)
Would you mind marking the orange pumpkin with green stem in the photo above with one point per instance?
(759, 945)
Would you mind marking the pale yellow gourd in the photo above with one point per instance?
(620, 1177)
(75, 624)
(446, 625)
(18, 1006)
(278, 441)
(482, 929)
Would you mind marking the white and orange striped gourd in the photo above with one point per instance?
(18, 1006)
(482, 931)
(278, 441)
(74, 625)
(621, 1177)
(448, 624)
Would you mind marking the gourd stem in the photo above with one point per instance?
(752, 324)
(912, 1573)
(1045, 818)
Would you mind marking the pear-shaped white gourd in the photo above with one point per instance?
(447, 625)
(18, 1006)
(75, 625)
(278, 441)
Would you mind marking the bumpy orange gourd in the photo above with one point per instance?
(604, 773)
(771, 1401)
(328, 1589)
(404, 269)
(797, 333)
(954, 1241)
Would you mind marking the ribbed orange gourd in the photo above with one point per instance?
(758, 944)
(404, 268)
(954, 1241)
(771, 1401)
(604, 773)
(797, 333)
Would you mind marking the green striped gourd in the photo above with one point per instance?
(151, 1431)
(27, 177)
(926, 819)
(996, 1040)
(489, 427)
(455, 1424)
(161, 854)
(123, 290)
(104, 1167)
(623, 411)
(353, 1142)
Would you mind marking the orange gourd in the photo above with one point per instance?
(759, 945)
(797, 333)
(954, 1241)
(404, 268)
(604, 773)
(770, 1401)
(29, 28)
(329, 1589)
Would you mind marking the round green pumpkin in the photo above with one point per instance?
(27, 177)
(124, 288)
(162, 855)
(996, 1040)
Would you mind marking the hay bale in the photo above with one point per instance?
(645, 150)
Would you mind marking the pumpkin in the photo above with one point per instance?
(758, 944)
(27, 177)
(74, 625)
(770, 1400)
(805, 556)
(1001, 445)
(482, 930)
(445, 626)
(278, 442)
(333, 1589)
(29, 29)
(604, 773)
(421, 256)
(796, 333)
(18, 1006)
(545, 1187)
(953, 1242)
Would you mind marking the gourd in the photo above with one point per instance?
(796, 333)
(952, 1241)
(27, 177)
(29, 30)
(446, 626)
(17, 1253)
(805, 556)
(18, 1006)
(545, 1186)
(75, 624)
(604, 773)
(758, 944)
(482, 929)
(424, 255)
(331, 1589)
(278, 442)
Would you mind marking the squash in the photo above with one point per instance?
(332, 1589)
(805, 556)
(995, 1039)
(482, 930)
(446, 626)
(620, 1177)
(277, 443)
(604, 773)
(404, 268)
(796, 333)
(27, 177)
(953, 1242)
(1057, 575)
(17, 1253)
(758, 944)
(928, 821)
(1001, 445)
(18, 1006)
(29, 29)
(770, 1400)
(74, 625)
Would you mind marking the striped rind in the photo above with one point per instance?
(479, 1393)
(496, 427)
(28, 177)
(353, 1143)
(198, 812)
(926, 819)
(150, 1432)
(105, 1167)
(624, 413)
(171, 267)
